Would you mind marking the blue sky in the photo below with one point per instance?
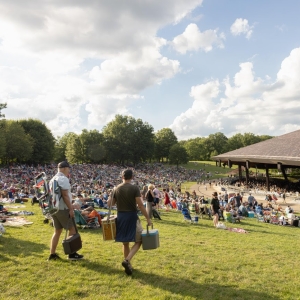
(195, 66)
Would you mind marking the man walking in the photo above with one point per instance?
(127, 197)
(63, 218)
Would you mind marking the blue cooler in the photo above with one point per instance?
(150, 239)
(251, 214)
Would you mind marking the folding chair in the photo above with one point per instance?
(90, 223)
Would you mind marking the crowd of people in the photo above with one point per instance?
(86, 179)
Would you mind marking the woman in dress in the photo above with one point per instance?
(167, 201)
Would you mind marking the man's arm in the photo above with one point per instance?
(142, 208)
(112, 201)
(68, 201)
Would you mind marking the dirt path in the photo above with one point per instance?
(207, 191)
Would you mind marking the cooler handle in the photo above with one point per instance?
(148, 228)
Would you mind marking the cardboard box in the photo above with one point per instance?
(109, 228)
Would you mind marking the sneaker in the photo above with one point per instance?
(75, 256)
(126, 265)
(53, 256)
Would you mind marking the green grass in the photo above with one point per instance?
(194, 261)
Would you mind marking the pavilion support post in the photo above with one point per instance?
(240, 172)
(247, 176)
(283, 173)
(267, 178)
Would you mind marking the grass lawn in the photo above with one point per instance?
(194, 261)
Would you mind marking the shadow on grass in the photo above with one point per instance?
(188, 288)
(183, 223)
(16, 247)
(181, 287)
(262, 225)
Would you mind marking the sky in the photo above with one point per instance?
(195, 66)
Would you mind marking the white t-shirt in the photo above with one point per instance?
(64, 184)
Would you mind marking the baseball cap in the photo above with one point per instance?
(63, 164)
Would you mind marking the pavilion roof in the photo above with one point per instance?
(284, 149)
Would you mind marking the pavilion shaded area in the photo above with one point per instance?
(279, 153)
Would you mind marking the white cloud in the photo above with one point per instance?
(249, 104)
(241, 26)
(61, 59)
(192, 39)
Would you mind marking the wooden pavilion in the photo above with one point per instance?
(279, 153)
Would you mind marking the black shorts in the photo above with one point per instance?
(156, 200)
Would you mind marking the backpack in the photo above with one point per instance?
(54, 196)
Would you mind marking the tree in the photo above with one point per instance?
(235, 142)
(194, 148)
(61, 146)
(19, 145)
(178, 155)
(218, 142)
(91, 141)
(2, 106)
(75, 150)
(2, 140)
(264, 137)
(164, 140)
(96, 153)
(128, 140)
(43, 140)
(250, 139)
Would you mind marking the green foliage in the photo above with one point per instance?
(75, 150)
(2, 140)
(19, 145)
(194, 148)
(242, 140)
(61, 146)
(43, 140)
(82, 148)
(164, 140)
(178, 155)
(2, 106)
(96, 153)
(128, 140)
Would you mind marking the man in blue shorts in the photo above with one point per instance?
(127, 197)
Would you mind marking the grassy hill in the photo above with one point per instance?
(194, 261)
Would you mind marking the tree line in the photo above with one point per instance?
(124, 140)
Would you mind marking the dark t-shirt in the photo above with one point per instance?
(149, 197)
(125, 194)
(238, 200)
(215, 204)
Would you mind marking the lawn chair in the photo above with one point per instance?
(274, 219)
(187, 217)
(204, 211)
(90, 223)
(228, 217)
(260, 218)
(192, 211)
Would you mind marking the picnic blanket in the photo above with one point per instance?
(16, 222)
(238, 230)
